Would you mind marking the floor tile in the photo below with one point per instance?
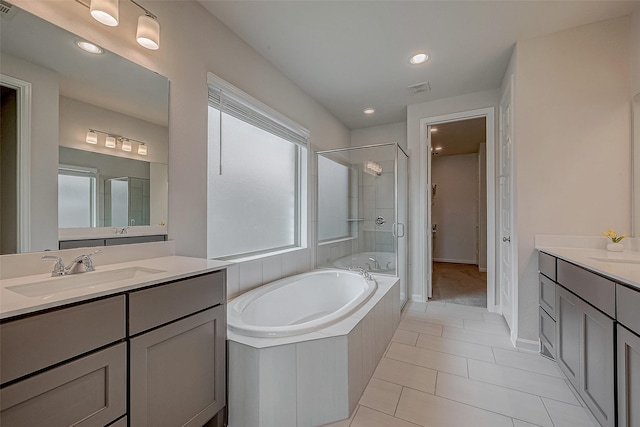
(343, 423)
(493, 398)
(429, 359)
(526, 381)
(381, 395)
(405, 337)
(437, 318)
(477, 337)
(564, 415)
(527, 361)
(459, 311)
(366, 417)
(433, 411)
(493, 317)
(407, 375)
(459, 348)
(520, 423)
(416, 306)
(421, 327)
(488, 327)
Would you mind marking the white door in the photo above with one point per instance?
(505, 217)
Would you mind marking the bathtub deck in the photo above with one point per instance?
(454, 365)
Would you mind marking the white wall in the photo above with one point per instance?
(417, 171)
(394, 132)
(635, 50)
(455, 208)
(44, 148)
(194, 43)
(572, 143)
(482, 207)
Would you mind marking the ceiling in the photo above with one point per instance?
(349, 55)
(461, 137)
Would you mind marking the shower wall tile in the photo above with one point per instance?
(233, 281)
(289, 264)
(385, 189)
(303, 260)
(271, 268)
(250, 275)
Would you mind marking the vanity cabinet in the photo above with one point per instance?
(628, 357)
(178, 369)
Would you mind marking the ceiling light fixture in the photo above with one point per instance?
(369, 111)
(92, 137)
(89, 47)
(126, 145)
(110, 142)
(142, 149)
(105, 11)
(419, 58)
(148, 29)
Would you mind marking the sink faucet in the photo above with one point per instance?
(362, 271)
(376, 264)
(82, 264)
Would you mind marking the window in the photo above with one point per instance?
(257, 176)
(333, 200)
(76, 197)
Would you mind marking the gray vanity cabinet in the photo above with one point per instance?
(628, 358)
(178, 357)
(567, 335)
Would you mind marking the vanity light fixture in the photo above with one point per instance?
(142, 149)
(110, 142)
(419, 58)
(92, 137)
(373, 168)
(148, 29)
(126, 145)
(369, 111)
(89, 47)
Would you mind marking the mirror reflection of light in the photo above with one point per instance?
(89, 47)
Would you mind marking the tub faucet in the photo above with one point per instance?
(82, 264)
(376, 264)
(362, 271)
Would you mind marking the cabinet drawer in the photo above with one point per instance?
(92, 390)
(547, 265)
(594, 289)
(156, 306)
(547, 334)
(628, 307)
(36, 342)
(548, 295)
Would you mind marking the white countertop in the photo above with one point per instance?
(171, 267)
(595, 260)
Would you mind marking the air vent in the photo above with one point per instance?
(420, 87)
(7, 10)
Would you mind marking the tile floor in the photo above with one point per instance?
(452, 365)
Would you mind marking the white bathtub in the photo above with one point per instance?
(386, 262)
(299, 304)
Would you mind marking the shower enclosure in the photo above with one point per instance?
(362, 210)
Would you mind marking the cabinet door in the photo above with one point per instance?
(628, 378)
(88, 392)
(178, 372)
(568, 335)
(597, 363)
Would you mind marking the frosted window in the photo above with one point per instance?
(333, 199)
(119, 203)
(253, 206)
(76, 198)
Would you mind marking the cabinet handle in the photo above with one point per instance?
(506, 239)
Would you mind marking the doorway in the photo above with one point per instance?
(458, 211)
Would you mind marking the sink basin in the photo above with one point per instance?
(76, 281)
(618, 260)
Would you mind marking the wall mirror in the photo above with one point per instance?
(635, 150)
(51, 178)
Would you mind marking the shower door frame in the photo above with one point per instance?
(396, 208)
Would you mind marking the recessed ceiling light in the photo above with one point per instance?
(89, 47)
(419, 58)
(434, 129)
(368, 111)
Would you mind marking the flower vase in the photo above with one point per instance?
(615, 247)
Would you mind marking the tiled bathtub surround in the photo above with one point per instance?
(311, 379)
(453, 365)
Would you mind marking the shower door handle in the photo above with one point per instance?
(398, 229)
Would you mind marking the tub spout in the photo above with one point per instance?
(376, 264)
(362, 271)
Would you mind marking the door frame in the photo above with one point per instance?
(23, 182)
(425, 196)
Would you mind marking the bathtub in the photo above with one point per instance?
(299, 304)
(386, 262)
(331, 329)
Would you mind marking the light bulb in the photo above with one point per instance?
(92, 137)
(110, 142)
(142, 149)
(148, 33)
(126, 145)
(105, 11)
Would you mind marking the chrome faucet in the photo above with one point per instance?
(376, 264)
(362, 271)
(82, 264)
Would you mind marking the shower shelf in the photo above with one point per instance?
(355, 219)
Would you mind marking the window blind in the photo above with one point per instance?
(245, 111)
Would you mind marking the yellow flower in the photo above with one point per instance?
(613, 236)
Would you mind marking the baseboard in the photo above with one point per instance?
(456, 261)
(417, 298)
(482, 269)
(528, 345)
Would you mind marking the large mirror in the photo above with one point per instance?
(52, 181)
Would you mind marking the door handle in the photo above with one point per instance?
(506, 239)
(398, 229)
